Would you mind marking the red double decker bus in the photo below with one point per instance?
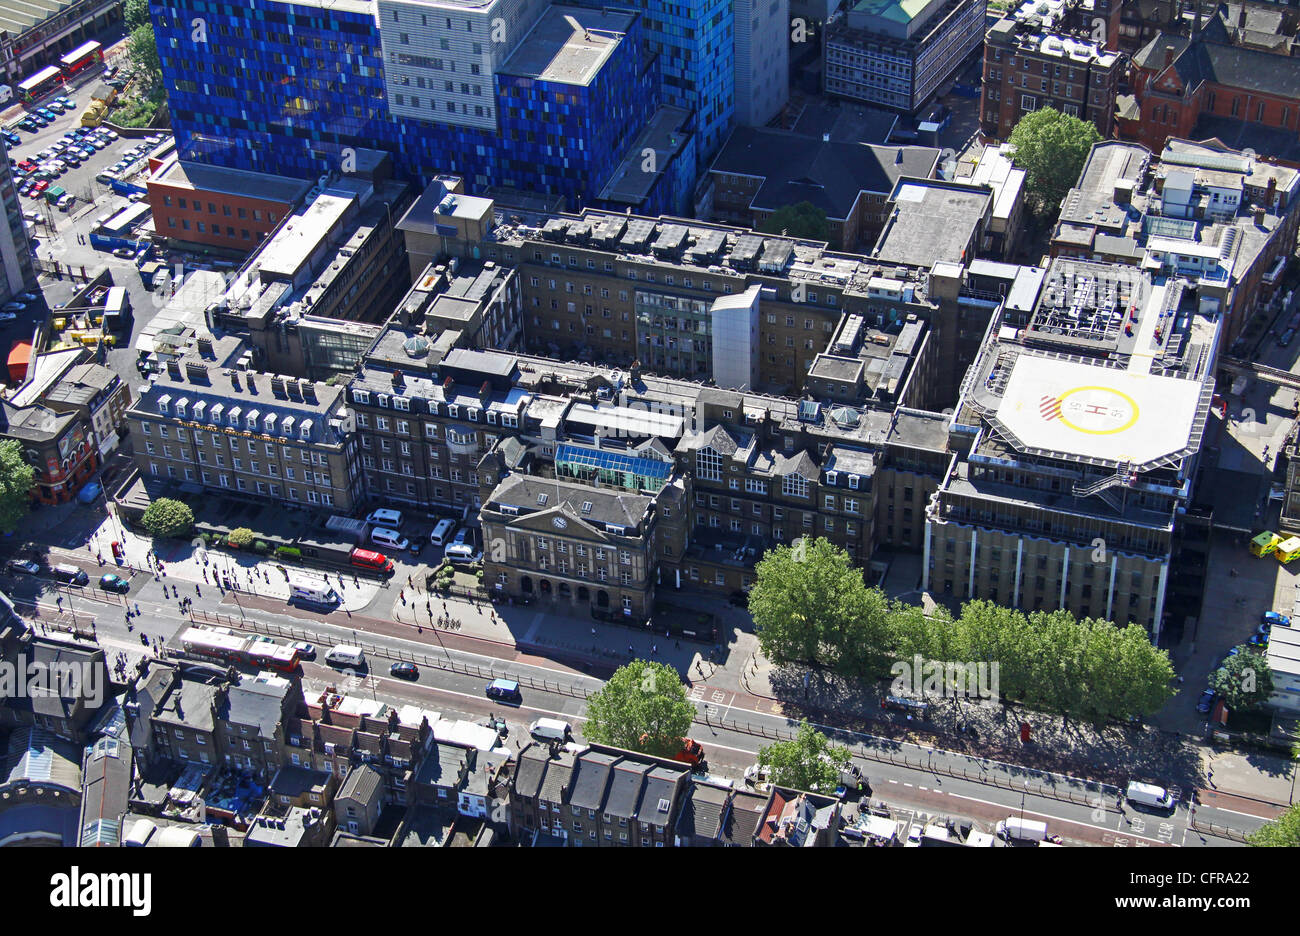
(83, 56)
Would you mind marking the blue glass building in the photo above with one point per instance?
(289, 87)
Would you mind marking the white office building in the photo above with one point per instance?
(441, 56)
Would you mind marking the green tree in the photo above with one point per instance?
(1282, 832)
(643, 707)
(241, 537)
(1244, 681)
(166, 517)
(16, 481)
(802, 220)
(142, 50)
(137, 14)
(810, 605)
(809, 762)
(1051, 147)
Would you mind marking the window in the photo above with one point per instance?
(708, 465)
(794, 486)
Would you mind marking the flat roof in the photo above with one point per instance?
(1080, 409)
(293, 245)
(568, 45)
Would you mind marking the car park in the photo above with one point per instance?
(114, 583)
(404, 670)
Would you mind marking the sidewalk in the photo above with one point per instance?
(247, 573)
(1113, 754)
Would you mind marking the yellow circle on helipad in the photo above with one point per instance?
(1114, 412)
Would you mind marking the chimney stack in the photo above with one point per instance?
(1260, 212)
(1169, 55)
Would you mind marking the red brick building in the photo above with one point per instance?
(1206, 87)
(228, 208)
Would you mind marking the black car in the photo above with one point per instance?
(404, 671)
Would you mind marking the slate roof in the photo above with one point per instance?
(625, 788)
(255, 703)
(703, 811)
(608, 506)
(663, 784)
(559, 771)
(531, 770)
(829, 174)
(362, 784)
(591, 780)
(1242, 134)
(1205, 60)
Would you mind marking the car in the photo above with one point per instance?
(1263, 628)
(41, 186)
(72, 160)
(114, 583)
(126, 253)
(27, 297)
(756, 775)
(65, 202)
(23, 567)
(1206, 701)
(262, 638)
(504, 690)
(1258, 640)
(913, 837)
(13, 307)
(26, 188)
(46, 113)
(7, 316)
(404, 670)
(305, 650)
(1273, 619)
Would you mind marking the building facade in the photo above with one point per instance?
(896, 53)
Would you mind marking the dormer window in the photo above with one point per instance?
(233, 416)
(473, 415)
(182, 405)
(402, 403)
(304, 430)
(453, 411)
(831, 477)
(217, 410)
(165, 404)
(383, 400)
(492, 417)
(199, 407)
(251, 420)
(853, 482)
(361, 396)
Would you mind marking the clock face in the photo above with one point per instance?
(560, 523)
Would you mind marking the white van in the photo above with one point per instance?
(390, 538)
(1148, 794)
(439, 534)
(461, 552)
(343, 655)
(385, 517)
(1024, 830)
(316, 591)
(550, 729)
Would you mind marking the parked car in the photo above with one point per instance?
(404, 670)
(126, 253)
(1274, 619)
(27, 297)
(1258, 640)
(1206, 701)
(305, 650)
(13, 307)
(7, 316)
(23, 567)
(504, 690)
(114, 583)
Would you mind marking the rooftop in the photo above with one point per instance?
(568, 45)
(932, 221)
(205, 178)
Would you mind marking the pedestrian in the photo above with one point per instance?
(593, 632)
(196, 589)
(654, 648)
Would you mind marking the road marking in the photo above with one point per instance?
(1030, 812)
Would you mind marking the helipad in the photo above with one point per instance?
(1097, 412)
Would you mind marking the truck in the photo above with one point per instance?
(1016, 829)
(312, 590)
(94, 114)
(688, 752)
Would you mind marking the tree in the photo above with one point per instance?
(810, 605)
(1244, 681)
(643, 707)
(166, 517)
(1051, 147)
(241, 537)
(1282, 832)
(142, 50)
(809, 762)
(16, 481)
(137, 14)
(802, 220)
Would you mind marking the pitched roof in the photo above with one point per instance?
(1205, 60)
(591, 780)
(362, 784)
(703, 810)
(625, 788)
